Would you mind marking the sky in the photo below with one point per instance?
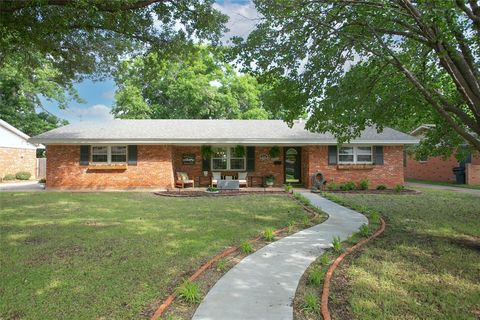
(99, 95)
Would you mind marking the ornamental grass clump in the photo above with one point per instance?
(189, 292)
(315, 276)
(246, 247)
(268, 234)
(310, 304)
(337, 244)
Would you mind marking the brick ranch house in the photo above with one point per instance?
(439, 169)
(123, 154)
(17, 154)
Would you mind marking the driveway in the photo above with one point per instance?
(440, 187)
(31, 185)
(262, 286)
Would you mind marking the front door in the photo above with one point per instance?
(293, 169)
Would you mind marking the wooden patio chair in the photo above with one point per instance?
(183, 180)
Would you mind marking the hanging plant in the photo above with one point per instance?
(274, 152)
(207, 152)
(239, 151)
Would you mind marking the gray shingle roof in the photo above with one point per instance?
(205, 131)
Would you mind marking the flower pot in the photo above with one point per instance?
(205, 173)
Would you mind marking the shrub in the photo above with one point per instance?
(212, 189)
(246, 247)
(315, 276)
(268, 234)
(189, 292)
(23, 175)
(221, 264)
(347, 186)
(337, 244)
(310, 304)
(381, 187)
(364, 230)
(332, 186)
(399, 188)
(274, 152)
(288, 188)
(363, 184)
(43, 180)
(9, 177)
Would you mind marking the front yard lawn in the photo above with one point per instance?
(111, 255)
(448, 184)
(425, 266)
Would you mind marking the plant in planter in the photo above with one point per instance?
(207, 152)
(274, 152)
(270, 180)
(239, 151)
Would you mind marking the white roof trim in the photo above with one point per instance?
(14, 130)
(421, 127)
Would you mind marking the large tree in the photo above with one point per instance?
(195, 84)
(75, 39)
(353, 63)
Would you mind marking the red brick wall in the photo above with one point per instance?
(472, 173)
(193, 170)
(13, 160)
(153, 170)
(389, 174)
(434, 169)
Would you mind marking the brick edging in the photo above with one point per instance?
(334, 265)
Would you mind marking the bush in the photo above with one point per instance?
(347, 186)
(332, 186)
(246, 247)
(23, 175)
(189, 292)
(399, 188)
(288, 188)
(363, 184)
(9, 177)
(268, 234)
(381, 187)
(325, 259)
(364, 230)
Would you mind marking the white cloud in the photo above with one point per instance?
(243, 18)
(97, 112)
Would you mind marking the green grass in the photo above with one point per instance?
(450, 184)
(426, 265)
(111, 255)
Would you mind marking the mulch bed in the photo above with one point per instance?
(223, 193)
(403, 192)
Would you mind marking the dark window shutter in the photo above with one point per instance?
(378, 154)
(84, 155)
(132, 155)
(332, 155)
(250, 159)
(206, 164)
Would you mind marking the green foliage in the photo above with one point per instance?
(348, 186)
(291, 225)
(268, 234)
(332, 186)
(288, 188)
(9, 177)
(189, 292)
(270, 178)
(381, 187)
(310, 304)
(196, 84)
(322, 59)
(306, 220)
(337, 244)
(399, 188)
(274, 152)
(43, 180)
(207, 152)
(239, 151)
(212, 189)
(374, 216)
(23, 175)
(363, 184)
(364, 230)
(315, 276)
(221, 264)
(246, 247)
(324, 259)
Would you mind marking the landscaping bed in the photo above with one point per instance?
(423, 267)
(117, 255)
(375, 191)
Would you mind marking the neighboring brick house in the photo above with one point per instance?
(437, 168)
(16, 153)
(122, 154)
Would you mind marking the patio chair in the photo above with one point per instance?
(242, 179)
(182, 180)
(216, 176)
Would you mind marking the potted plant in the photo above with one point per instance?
(270, 180)
(212, 189)
(205, 173)
(274, 152)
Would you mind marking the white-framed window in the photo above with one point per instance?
(361, 154)
(109, 154)
(225, 158)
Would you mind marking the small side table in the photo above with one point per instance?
(202, 181)
(256, 180)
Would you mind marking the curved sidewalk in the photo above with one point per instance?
(262, 286)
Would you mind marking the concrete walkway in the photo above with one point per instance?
(262, 286)
(441, 187)
(30, 185)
